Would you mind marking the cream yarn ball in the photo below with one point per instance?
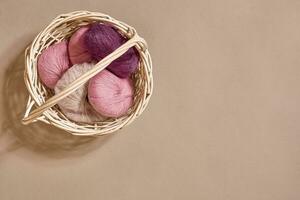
(76, 106)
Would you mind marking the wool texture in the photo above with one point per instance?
(77, 49)
(110, 95)
(76, 106)
(52, 63)
(101, 40)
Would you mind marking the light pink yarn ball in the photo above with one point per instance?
(52, 63)
(110, 95)
(77, 48)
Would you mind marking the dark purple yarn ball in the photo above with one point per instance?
(102, 40)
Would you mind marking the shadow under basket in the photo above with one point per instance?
(42, 102)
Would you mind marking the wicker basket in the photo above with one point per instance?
(41, 104)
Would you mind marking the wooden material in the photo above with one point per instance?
(42, 103)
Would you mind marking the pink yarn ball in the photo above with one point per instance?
(110, 95)
(52, 63)
(77, 48)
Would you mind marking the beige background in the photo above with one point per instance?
(223, 123)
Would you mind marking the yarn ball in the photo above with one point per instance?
(76, 106)
(102, 40)
(77, 49)
(52, 63)
(110, 95)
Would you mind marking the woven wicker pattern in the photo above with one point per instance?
(41, 104)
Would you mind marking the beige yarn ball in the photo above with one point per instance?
(76, 106)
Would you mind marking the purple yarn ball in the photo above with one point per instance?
(101, 40)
